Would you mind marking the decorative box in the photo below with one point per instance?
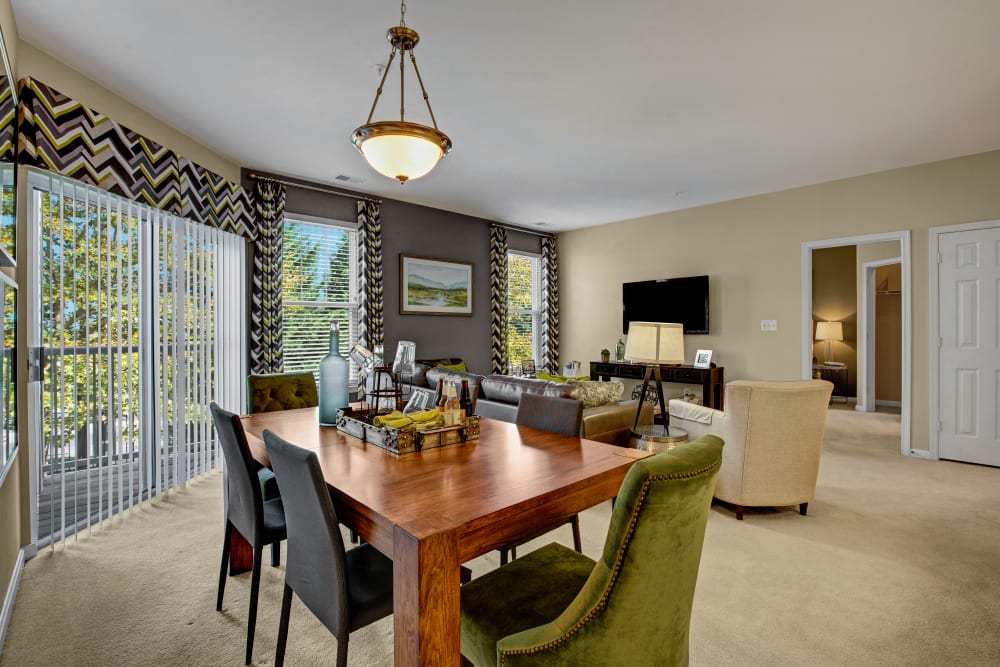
(407, 439)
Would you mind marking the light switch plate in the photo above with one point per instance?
(769, 325)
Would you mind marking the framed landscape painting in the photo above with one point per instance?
(430, 286)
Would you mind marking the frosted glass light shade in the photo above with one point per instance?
(655, 342)
(399, 150)
(829, 331)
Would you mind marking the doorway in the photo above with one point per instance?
(881, 335)
(901, 238)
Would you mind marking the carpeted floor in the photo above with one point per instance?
(898, 563)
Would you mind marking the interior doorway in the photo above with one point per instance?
(881, 335)
(901, 251)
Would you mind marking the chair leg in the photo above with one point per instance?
(575, 523)
(802, 508)
(503, 556)
(342, 650)
(258, 556)
(354, 537)
(275, 554)
(225, 565)
(739, 512)
(286, 609)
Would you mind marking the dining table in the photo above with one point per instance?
(432, 510)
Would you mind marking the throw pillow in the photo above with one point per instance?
(460, 366)
(551, 378)
(595, 394)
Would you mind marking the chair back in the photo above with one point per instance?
(643, 585)
(774, 439)
(550, 413)
(244, 503)
(282, 391)
(316, 567)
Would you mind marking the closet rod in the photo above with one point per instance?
(317, 188)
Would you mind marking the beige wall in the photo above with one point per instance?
(751, 248)
(36, 64)
(888, 333)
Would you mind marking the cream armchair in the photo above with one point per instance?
(773, 433)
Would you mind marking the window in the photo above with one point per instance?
(319, 287)
(524, 303)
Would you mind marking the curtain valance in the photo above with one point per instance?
(58, 133)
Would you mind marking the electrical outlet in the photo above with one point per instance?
(769, 325)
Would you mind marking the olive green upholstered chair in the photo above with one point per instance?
(631, 607)
(274, 392)
(282, 391)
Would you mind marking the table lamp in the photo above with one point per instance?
(654, 343)
(829, 331)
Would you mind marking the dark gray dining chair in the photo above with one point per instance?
(259, 522)
(557, 415)
(346, 590)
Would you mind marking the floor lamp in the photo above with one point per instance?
(654, 343)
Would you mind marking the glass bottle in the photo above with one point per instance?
(454, 408)
(442, 403)
(333, 373)
(464, 401)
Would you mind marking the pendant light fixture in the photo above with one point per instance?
(401, 149)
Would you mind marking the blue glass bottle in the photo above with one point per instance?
(333, 372)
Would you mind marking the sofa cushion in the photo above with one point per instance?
(421, 366)
(593, 394)
(508, 389)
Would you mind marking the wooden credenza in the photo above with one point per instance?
(712, 380)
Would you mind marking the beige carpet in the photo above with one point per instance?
(898, 563)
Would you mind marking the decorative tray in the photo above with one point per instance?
(409, 438)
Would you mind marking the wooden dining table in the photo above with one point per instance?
(432, 510)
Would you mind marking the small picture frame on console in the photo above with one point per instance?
(703, 359)
(528, 368)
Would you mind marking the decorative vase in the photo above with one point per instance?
(333, 374)
(620, 350)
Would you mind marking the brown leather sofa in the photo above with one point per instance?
(497, 396)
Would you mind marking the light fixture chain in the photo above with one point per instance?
(402, 85)
(378, 93)
(402, 12)
(420, 80)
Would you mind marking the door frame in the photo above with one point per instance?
(934, 337)
(905, 256)
(866, 329)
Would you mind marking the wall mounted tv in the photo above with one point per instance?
(683, 300)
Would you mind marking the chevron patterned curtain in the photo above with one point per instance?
(371, 324)
(265, 287)
(498, 297)
(550, 306)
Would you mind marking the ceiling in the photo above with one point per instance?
(568, 113)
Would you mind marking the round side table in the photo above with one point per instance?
(655, 438)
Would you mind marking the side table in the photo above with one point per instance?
(656, 438)
(834, 374)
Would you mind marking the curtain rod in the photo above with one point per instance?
(317, 188)
(522, 229)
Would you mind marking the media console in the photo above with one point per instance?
(712, 380)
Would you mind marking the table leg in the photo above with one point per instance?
(426, 599)
(240, 554)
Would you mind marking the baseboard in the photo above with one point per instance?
(890, 404)
(25, 553)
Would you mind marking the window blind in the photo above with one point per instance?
(137, 327)
(524, 298)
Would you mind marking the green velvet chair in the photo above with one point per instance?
(282, 391)
(274, 392)
(633, 606)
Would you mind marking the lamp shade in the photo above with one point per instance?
(829, 331)
(655, 342)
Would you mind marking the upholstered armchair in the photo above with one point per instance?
(773, 433)
(282, 391)
(632, 606)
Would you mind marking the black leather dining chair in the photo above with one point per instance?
(558, 415)
(346, 590)
(259, 522)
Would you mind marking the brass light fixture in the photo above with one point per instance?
(401, 149)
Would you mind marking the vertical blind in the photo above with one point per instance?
(136, 327)
(319, 286)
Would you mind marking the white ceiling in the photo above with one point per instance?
(571, 113)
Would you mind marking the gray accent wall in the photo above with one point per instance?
(427, 232)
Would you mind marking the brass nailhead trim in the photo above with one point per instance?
(617, 568)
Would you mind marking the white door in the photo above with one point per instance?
(969, 291)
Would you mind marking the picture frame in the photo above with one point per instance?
(431, 286)
(528, 368)
(703, 359)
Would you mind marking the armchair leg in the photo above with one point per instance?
(575, 523)
(802, 508)
(739, 512)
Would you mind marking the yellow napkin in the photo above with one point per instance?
(424, 415)
(430, 423)
(391, 419)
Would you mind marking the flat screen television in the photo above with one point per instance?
(682, 300)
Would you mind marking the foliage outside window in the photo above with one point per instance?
(319, 287)
(523, 307)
